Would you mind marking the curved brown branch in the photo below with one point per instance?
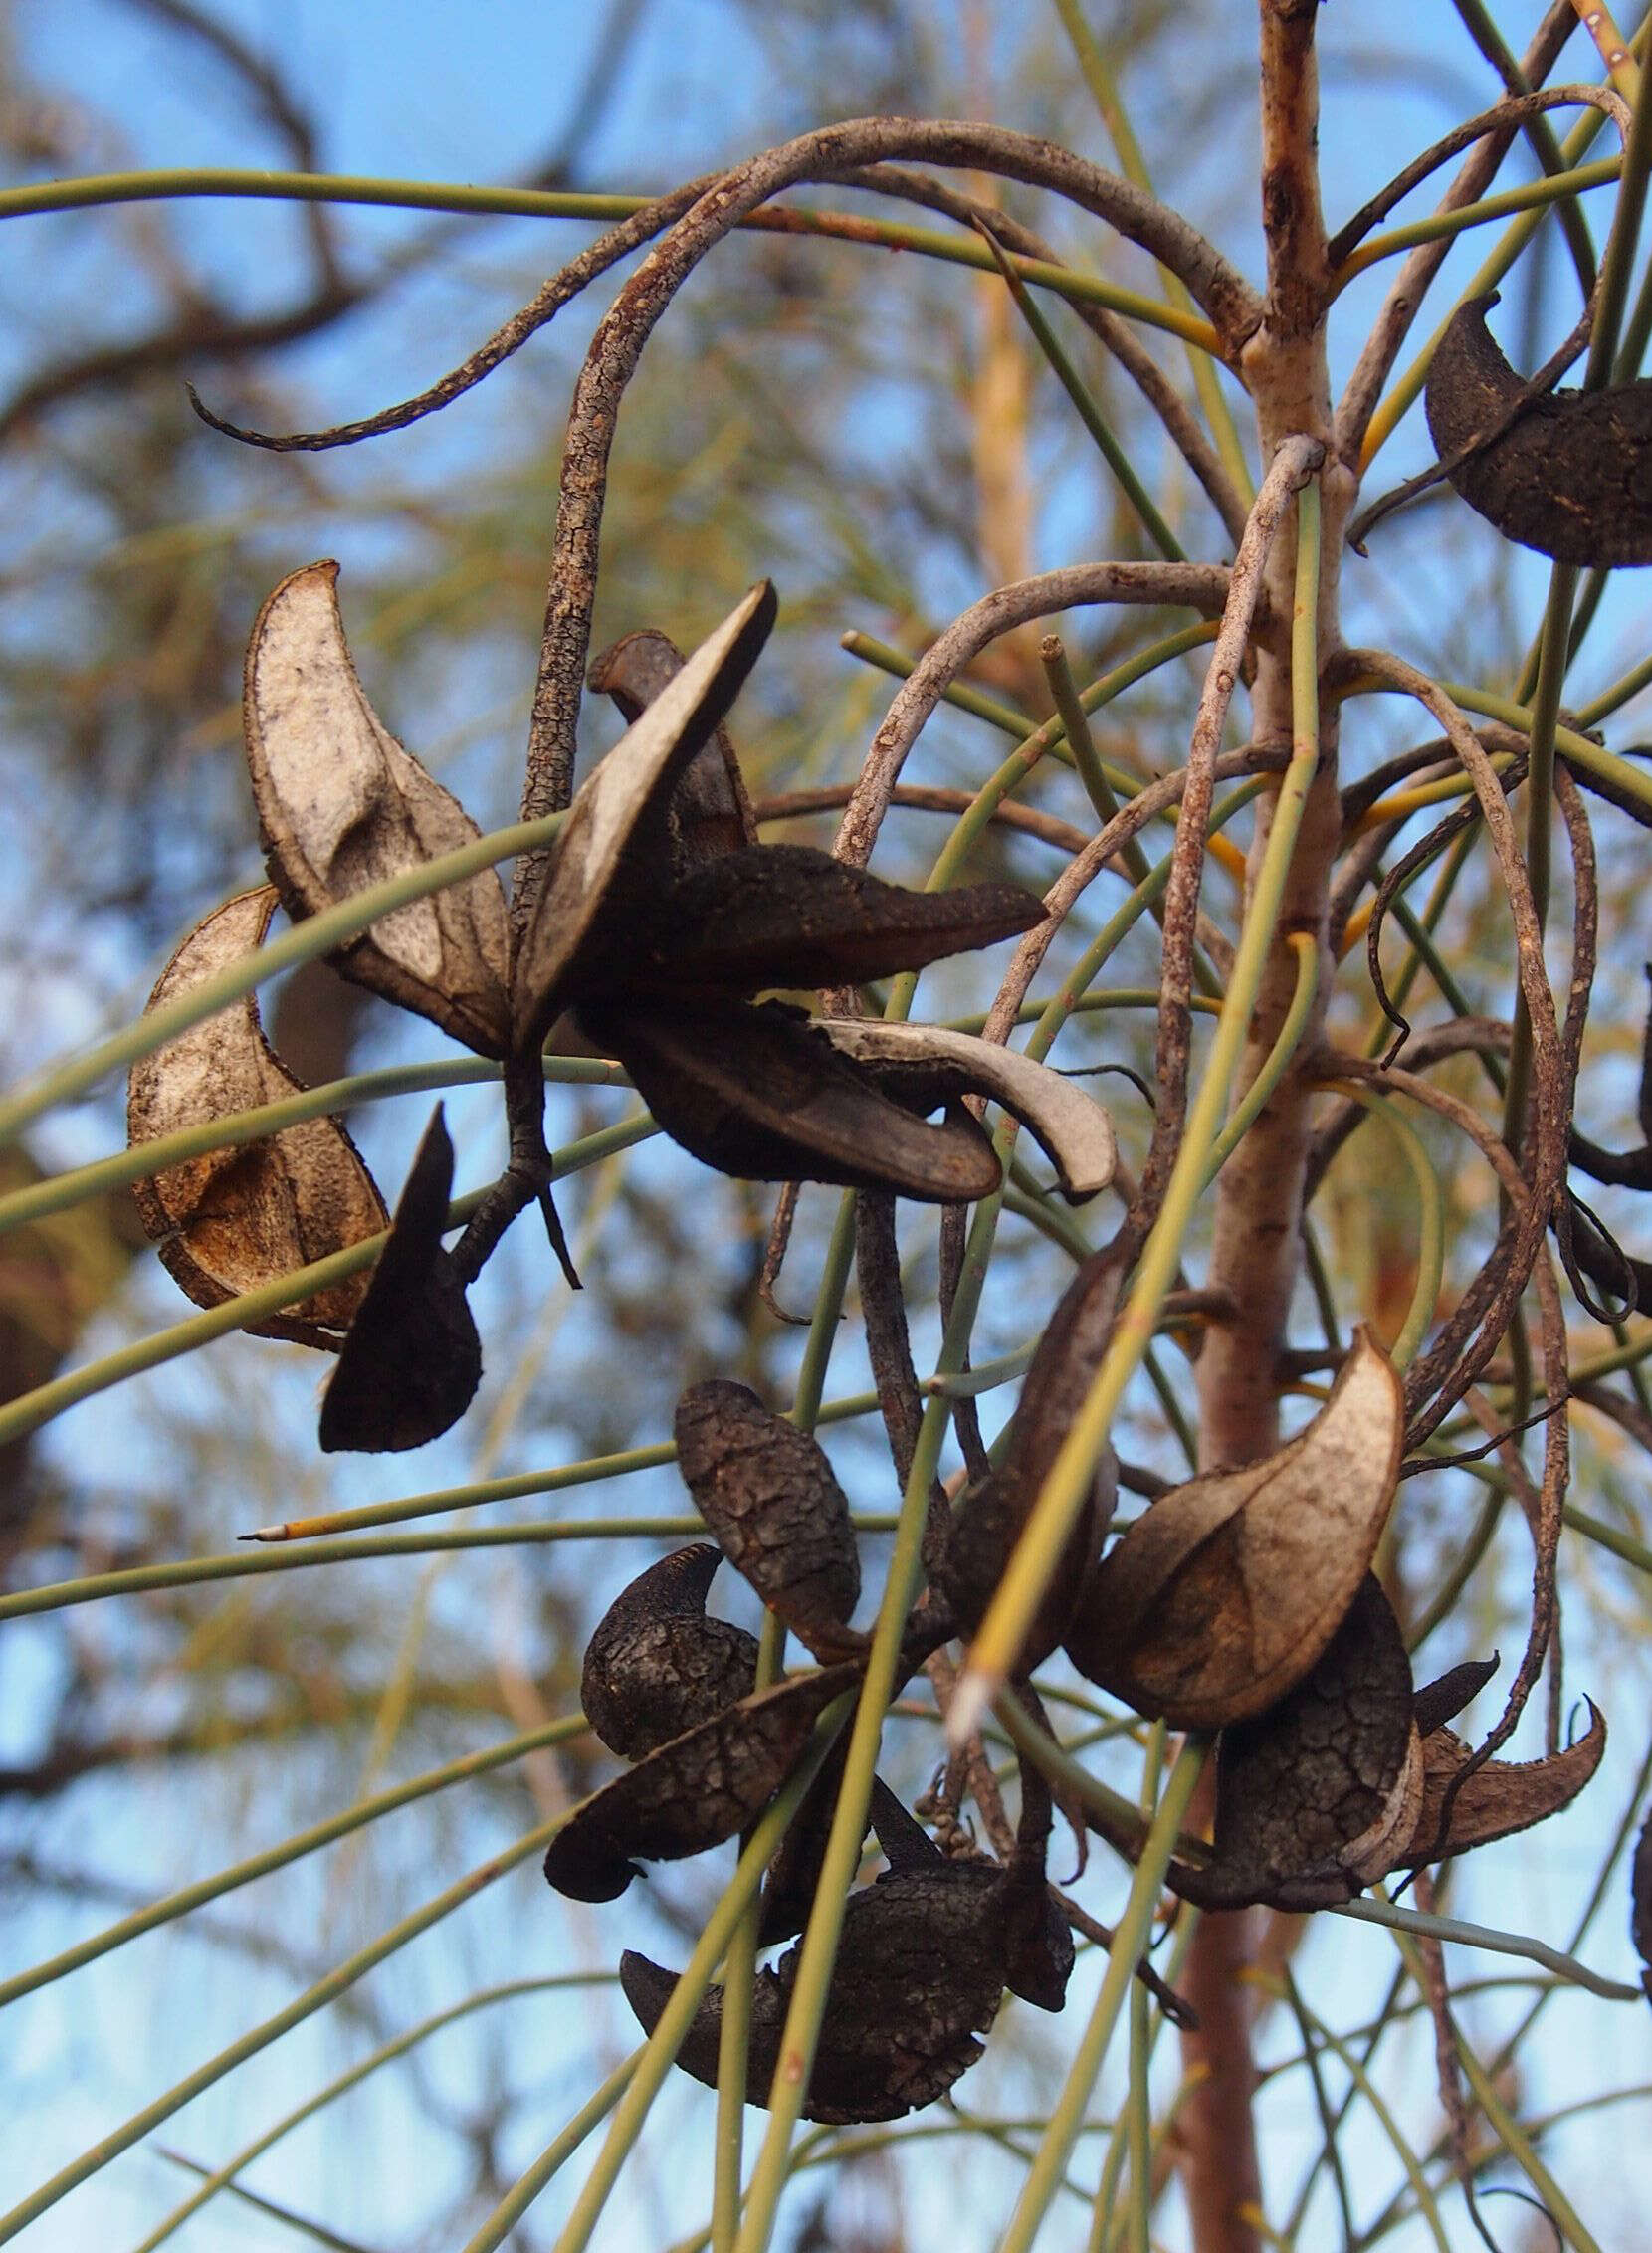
(834, 153)
(1516, 110)
(1031, 821)
(1552, 1069)
(1178, 421)
(1195, 586)
(1409, 285)
(1295, 462)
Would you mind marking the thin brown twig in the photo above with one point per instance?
(1032, 821)
(1177, 420)
(1453, 2101)
(1550, 1112)
(1195, 586)
(1515, 110)
(1409, 285)
(1291, 465)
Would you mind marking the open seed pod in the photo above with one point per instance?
(771, 1499)
(694, 1791)
(656, 1665)
(758, 1092)
(1312, 1795)
(919, 1972)
(1496, 1799)
(1225, 1592)
(621, 793)
(341, 805)
(927, 1065)
(708, 811)
(232, 1219)
(412, 1361)
(1570, 475)
(790, 915)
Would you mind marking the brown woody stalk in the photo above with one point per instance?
(1259, 1198)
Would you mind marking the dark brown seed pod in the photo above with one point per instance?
(771, 1499)
(709, 812)
(791, 916)
(919, 1972)
(757, 1092)
(694, 1791)
(1496, 1799)
(1436, 1703)
(1570, 475)
(1632, 1168)
(412, 1361)
(656, 1665)
(1308, 1794)
(232, 1219)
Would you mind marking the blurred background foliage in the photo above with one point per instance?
(877, 433)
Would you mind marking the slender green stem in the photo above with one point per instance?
(1407, 2157)
(667, 2038)
(528, 203)
(1059, 1766)
(1425, 1293)
(592, 2113)
(1093, 774)
(173, 183)
(589, 1471)
(1372, 1911)
(1490, 272)
(1443, 1602)
(1138, 2109)
(1440, 226)
(818, 1953)
(1116, 460)
(740, 1970)
(1102, 691)
(387, 2052)
(1104, 92)
(1608, 1536)
(301, 2224)
(305, 943)
(1611, 698)
(1275, 1065)
(1521, 2149)
(1074, 991)
(886, 659)
(1035, 1557)
(1622, 775)
(1129, 1941)
(1328, 2143)
(294, 1849)
(304, 2006)
(295, 1557)
(235, 1129)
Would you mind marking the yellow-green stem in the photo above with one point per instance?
(1129, 1943)
(315, 936)
(1063, 1495)
(667, 2038)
